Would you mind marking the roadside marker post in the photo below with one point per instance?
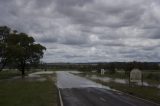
(136, 76)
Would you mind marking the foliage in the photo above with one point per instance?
(126, 66)
(152, 76)
(4, 34)
(20, 49)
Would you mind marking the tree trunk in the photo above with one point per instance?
(129, 78)
(142, 79)
(23, 74)
(23, 70)
(3, 65)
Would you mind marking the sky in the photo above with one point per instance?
(88, 30)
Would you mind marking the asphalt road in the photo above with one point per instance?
(78, 91)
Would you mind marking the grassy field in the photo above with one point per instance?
(27, 93)
(7, 74)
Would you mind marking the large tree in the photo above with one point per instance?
(24, 51)
(18, 49)
(4, 35)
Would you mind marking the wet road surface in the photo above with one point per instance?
(68, 80)
(78, 91)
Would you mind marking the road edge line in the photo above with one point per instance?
(60, 97)
(139, 98)
(129, 94)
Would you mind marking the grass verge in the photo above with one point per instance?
(28, 93)
(7, 74)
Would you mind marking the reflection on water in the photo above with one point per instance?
(118, 80)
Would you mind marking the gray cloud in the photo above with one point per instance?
(88, 30)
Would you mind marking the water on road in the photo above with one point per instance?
(79, 91)
(68, 80)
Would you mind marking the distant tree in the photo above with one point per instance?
(24, 51)
(111, 68)
(128, 68)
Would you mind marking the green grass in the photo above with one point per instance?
(7, 74)
(152, 77)
(28, 93)
(11, 73)
(116, 75)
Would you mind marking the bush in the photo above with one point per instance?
(153, 76)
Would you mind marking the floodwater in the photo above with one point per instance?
(108, 79)
(68, 80)
(121, 81)
(41, 72)
(37, 75)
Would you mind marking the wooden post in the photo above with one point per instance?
(142, 79)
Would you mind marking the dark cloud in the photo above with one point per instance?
(74, 40)
(47, 40)
(88, 30)
(153, 33)
(43, 3)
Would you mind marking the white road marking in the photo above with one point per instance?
(102, 99)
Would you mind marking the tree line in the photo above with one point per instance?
(18, 50)
(111, 66)
(126, 66)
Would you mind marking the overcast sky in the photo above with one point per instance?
(88, 30)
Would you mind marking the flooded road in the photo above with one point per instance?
(68, 80)
(79, 91)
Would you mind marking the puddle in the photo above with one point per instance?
(121, 81)
(74, 72)
(144, 83)
(68, 80)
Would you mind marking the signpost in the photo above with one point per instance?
(102, 71)
(136, 76)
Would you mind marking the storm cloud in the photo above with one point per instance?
(88, 30)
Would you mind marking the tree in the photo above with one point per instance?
(4, 34)
(24, 51)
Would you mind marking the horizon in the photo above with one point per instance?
(101, 62)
